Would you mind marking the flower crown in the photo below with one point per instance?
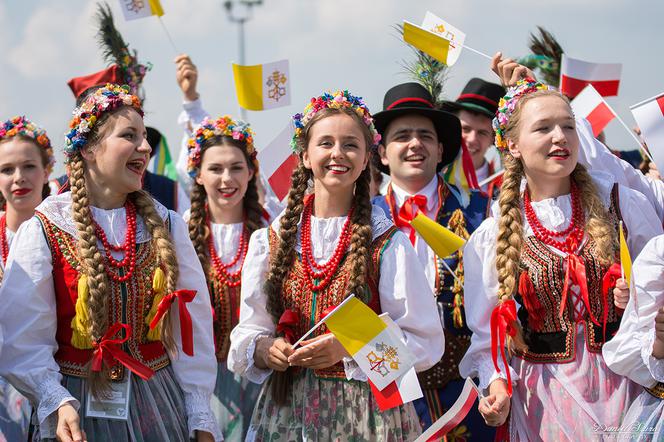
(22, 126)
(105, 99)
(222, 126)
(508, 104)
(336, 100)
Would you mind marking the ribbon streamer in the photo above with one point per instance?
(503, 318)
(186, 326)
(108, 350)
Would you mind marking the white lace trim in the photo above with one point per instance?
(51, 396)
(483, 368)
(57, 209)
(250, 371)
(200, 416)
(655, 366)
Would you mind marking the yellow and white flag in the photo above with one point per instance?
(437, 25)
(262, 86)
(134, 9)
(441, 240)
(625, 259)
(433, 44)
(378, 350)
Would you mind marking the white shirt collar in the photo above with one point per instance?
(430, 191)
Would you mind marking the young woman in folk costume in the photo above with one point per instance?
(328, 243)
(637, 350)
(88, 291)
(552, 247)
(26, 160)
(224, 213)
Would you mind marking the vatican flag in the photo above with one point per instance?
(134, 9)
(262, 86)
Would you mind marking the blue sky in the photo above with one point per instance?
(330, 44)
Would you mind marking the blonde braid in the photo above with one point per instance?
(163, 244)
(92, 264)
(598, 226)
(360, 242)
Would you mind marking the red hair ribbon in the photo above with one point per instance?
(109, 350)
(186, 327)
(503, 319)
(287, 323)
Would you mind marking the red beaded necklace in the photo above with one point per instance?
(325, 271)
(573, 233)
(128, 247)
(231, 279)
(4, 244)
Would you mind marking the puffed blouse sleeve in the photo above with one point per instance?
(29, 321)
(196, 374)
(255, 321)
(480, 292)
(629, 352)
(406, 296)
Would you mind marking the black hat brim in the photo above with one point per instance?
(453, 106)
(448, 129)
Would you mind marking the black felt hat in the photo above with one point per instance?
(478, 96)
(413, 98)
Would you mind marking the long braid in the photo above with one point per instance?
(598, 227)
(280, 264)
(253, 211)
(163, 244)
(92, 265)
(360, 242)
(198, 226)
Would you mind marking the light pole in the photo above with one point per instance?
(245, 8)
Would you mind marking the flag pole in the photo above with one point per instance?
(170, 39)
(319, 323)
(450, 270)
(488, 57)
(622, 269)
(631, 132)
(491, 178)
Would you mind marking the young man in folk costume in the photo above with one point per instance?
(418, 140)
(476, 107)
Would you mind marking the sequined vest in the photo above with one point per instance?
(310, 304)
(552, 339)
(128, 303)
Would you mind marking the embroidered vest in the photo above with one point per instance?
(310, 305)
(226, 310)
(128, 303)
(554, 339)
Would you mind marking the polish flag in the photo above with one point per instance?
(590, 105)
(403, 390)
(576, 74)
(277, 162)
(649, 116)
(454, 415)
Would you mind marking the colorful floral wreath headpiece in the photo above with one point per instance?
(222, 126)
(22, 126)
(105, 99)
(336, 100)
(508, 104)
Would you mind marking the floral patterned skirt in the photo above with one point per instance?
(156, 411)
(233, 403)
(330, 410)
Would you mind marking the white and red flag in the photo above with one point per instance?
(649, 116)
(575, 74)
(277, 162)
(590, 105)
(454, 415)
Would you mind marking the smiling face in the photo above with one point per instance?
(118, 157)
(545, 138)
(411, 150)
(477, 133)
(22, 173)
(225, 174)
(336, 152)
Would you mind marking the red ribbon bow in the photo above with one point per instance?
(186, 327)
(109, 350)
(576, 271)
(287, 323)
(503, 319)
(408, 211)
